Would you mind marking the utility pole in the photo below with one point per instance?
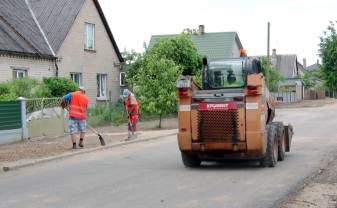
(268, 55)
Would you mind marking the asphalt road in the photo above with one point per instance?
(151, 175)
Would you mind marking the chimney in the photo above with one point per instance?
(201, 29)
(274, 52)
(317, 61)
(304, 63)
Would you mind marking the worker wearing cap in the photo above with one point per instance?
(77, 107)
(132, 106)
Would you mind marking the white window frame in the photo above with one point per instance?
(102, 89)
(87, 38)
(80, 78)
(18, 72)
(120, 79)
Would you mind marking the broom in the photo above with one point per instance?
(95, 131)
(98, 134)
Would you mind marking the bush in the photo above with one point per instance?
(118, 117)
(32, 88)
(8, 97)
(104, 115)
(4, 89)
(59, 86)
(42, 91)
(99, 116)
(23, 87)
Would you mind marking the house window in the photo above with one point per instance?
(76, 77)
(89, 36)
(101, 86)
(19, 73)
(122, 79)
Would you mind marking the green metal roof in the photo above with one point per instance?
(213, 45)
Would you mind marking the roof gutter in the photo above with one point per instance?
(28, 55)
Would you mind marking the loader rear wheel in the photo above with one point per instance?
(281, 140)
(270, 159)
(190, 160)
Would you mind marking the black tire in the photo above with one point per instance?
(270, 159)
(190, 160)
(280, 135)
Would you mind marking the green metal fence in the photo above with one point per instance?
(10, 115)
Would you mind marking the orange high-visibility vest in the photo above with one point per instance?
(132, 104)
(78, 105)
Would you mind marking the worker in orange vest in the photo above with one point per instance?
(77, 104)
(132, 106)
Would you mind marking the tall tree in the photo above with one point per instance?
(274, 75)
(132, 64)
(181, 50)
(328, 53)
(158, 70)
(156, 86)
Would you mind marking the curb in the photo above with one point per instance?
(7, 168)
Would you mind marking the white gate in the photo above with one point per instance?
(285, 97)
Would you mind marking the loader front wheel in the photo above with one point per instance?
(271, 157)
(190, 160)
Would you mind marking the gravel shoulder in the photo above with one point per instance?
(319, 190)
(38, 148)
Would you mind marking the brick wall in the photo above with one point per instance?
(75, 59)
(36, 68)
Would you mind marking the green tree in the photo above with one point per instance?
(181, 50)
(308, 80)
(154, 74)
(131, 56)
(132, 63)
(328, 53)
(156, 86)
(274, 75)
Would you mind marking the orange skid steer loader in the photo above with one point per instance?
(231, 117)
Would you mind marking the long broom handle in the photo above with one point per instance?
(92, 129)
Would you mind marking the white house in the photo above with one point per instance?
(60, 38)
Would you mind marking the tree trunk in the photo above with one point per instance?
(159, 126)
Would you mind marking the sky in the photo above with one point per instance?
(296, 25)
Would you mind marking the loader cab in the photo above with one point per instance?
(226, 74)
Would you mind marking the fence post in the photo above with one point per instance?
(42, 106)
(24, 131)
